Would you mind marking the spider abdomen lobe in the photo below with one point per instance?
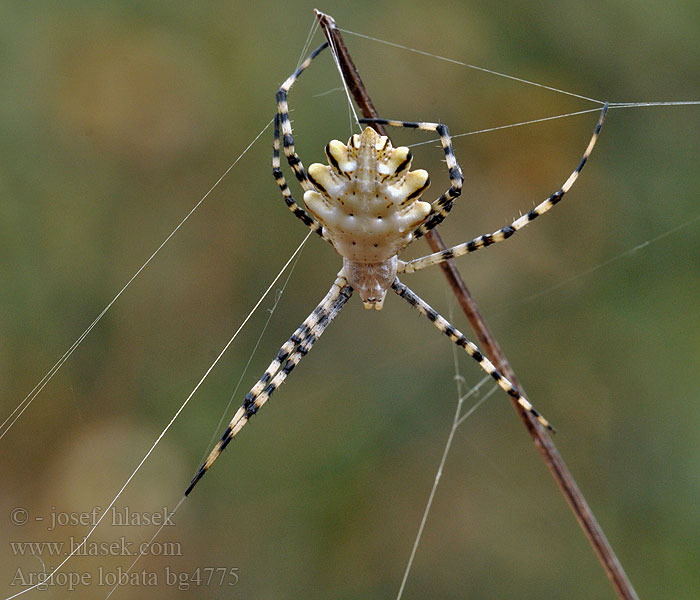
(366, 199)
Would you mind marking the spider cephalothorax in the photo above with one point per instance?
(367, 201)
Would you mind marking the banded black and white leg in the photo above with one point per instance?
(469, 347)
(288, 356)
(503, 234)
(286, 125)
(283, 137)
(441, 207)
(299, 212)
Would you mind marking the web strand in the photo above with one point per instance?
(29, 398)
(605, 263)
(351, 106)
(510, 126)
(458, 419)
(219, 426)
(477, 68)
(167, 520)
(168, 426)
(646, 104)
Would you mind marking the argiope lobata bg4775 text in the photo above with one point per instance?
(366, 204)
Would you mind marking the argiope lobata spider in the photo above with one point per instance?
(366, 204)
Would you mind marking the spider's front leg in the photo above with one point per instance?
(284, 138)
(299, 212)
(441, 207)
(283, 113)
(289, 355)
(504, 233)
(469, 347)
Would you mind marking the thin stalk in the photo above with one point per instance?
(543, 442)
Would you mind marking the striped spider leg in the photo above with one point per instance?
(458, 338)
(283, 121)
(504, 233)
(289, 355)
(366, 203)
(301, 341)
(440, 209)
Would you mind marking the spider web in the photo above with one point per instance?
(461, 411)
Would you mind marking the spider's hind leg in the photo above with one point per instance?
(470, 348)
(289, 355)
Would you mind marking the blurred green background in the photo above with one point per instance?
(117, 117)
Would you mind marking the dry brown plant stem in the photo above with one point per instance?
(490, 347)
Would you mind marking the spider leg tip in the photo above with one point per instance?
(200, 473)
(548, 425)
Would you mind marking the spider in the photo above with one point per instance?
(366, 204)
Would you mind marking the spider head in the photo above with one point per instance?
(371, 280)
